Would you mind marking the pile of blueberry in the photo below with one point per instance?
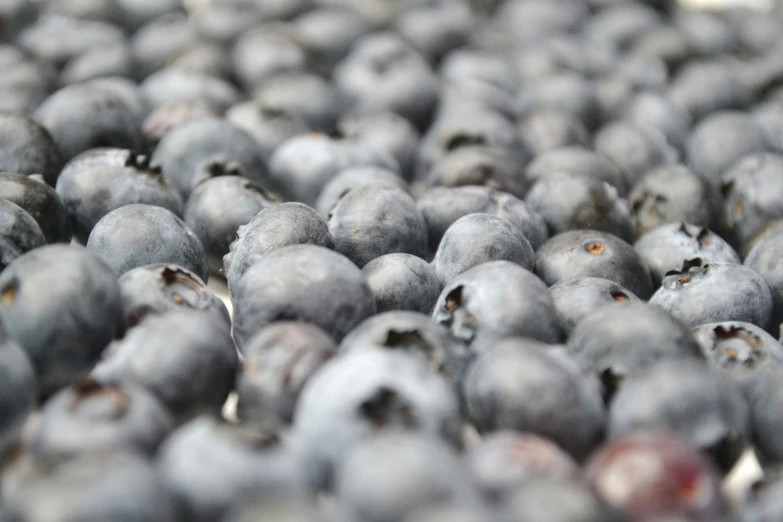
(487, 261)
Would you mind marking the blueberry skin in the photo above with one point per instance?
(63, 306)
(764, 260)
(187, 152)
(479, 238)
(764, 503)
(547, 129)
(625, 338)
(577, 298)
(673, 194)
(393, 475)
(658, 111)
(278, 362)
(569, 202)
(352, 178)
(217, 208)
(752, 189)
(161, 288)
(27, 148)
(98, 113)
(40, 201)
(184, 357)
(275, 227)
(546, 396)
(578, 161)
(766, 403)
(115, 60)
(436, 29)
(19, 233)
(495, 300)
(101, 180)
(356, 396)
(402, 282)
(162, 119)
(303, 95)
(89, 417)
(377, 219)
(269, 126)
(559, 501)
(117, 486)
(138, 235)
(722, 139)
(667, 247)
(743, 351)
(18, 391)
(687, 398)
(160, 39)
(263, 52)
(590, 253)
(442, 206)
(706, 293)
(174, 84)
(301, 283)
(247, 459)
(704, 87)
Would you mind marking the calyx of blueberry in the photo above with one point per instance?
(413, 339)
(387, 408)
(702, 236)
(89, 388)
(749, 359)
(141, 163)
(690, 268)
(455, 315)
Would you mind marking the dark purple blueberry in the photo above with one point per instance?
(138, 235)
(90, 417)
(352, 178)
(272, 228)
(703, 292)
(517, 385)
(590, 253)
(63, 306)
(620, 340)
(357, 396)
(27, 148)
(375, 220)
(577, 161)
(91, 190)
(479, 238)
(402, 282)
(186, 358)
(218, 207)
(704, 407)
(667, 247)
(19, 232)
(19, 391)
(278, 362)
(496, 300)
(301, 283)
(577, 298)
(160, 288)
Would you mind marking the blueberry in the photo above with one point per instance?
(269, 126)
(356, 396)
(764, 503)
(277, 508)
(751, 189)
(623, 339)
(579, 297)
(90, 187)
(27, 148)
(169, 115)
(209, 465)
(19, 232)
(443, 206)
(480, 65)
(704, 87)
(710, 292)
(578, 161)
(476, 239)
(496, 300)
(17, 393)
(161, 288)
(506, 460)
(263, 52)
(586, 204)
(223, 23)
(765, 400)
(200, 149)
(763, 259)
(722, 139)
(96, 486)
(113, 60)
(559, 501)
(93, 114)
(275, 227)
(590, 253)
(278, 362)
(301, 283)
(160, 39)
(437, 28)
(65, 333)
(411, 333)
(352, 178)
(550, 129)
(377, 219)
(620, 24)
(656, 110)
(667, 247)
(327, 34)
(392, 475)
(178, 84)
(402, 282)
(689, 399)
(569, 92)
(138, 235)
(89, 417)
(673, 194)
(741, 350)
(184, 357)
(218, 207)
